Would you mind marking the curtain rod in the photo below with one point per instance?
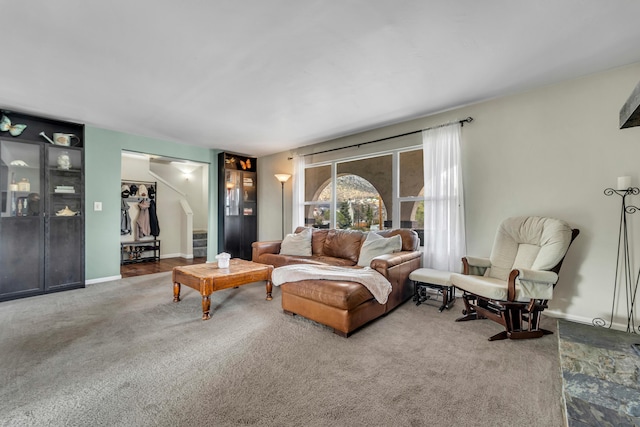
(462, 122)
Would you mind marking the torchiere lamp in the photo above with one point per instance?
(283, 177)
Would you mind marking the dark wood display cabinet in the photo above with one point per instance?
(41, 207)
(237, 204)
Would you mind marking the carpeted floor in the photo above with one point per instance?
(123, 354)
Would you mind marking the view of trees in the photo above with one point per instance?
(358, 204)
(349, 183)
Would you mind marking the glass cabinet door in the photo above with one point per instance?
(65, 181)
(232, 198)
(64, 222)
(249, 194)
(21, 219)
(21, 179)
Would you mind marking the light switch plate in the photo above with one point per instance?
(97, 206)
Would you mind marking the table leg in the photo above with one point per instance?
(206, 306)
(176, 291)
(269, 289)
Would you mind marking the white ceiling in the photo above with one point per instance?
(264, 76)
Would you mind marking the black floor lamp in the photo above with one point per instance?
(283, 177)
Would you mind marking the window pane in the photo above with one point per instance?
(412, 216)
(315, 181)
(318, 215)
(411, 173)
(364, 190)
(359, 206)
(317, 187)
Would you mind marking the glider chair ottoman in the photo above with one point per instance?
(512, 286)
(439, 280)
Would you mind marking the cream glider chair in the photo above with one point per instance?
(513, 285)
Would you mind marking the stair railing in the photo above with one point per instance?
(186, 235)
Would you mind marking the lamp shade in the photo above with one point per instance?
(283, 177)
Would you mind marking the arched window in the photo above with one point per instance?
(368, 191)
(359, 204)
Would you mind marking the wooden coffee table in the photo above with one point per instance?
(208, 278)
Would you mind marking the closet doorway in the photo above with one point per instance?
(164, 213)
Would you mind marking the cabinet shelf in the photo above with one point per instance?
(56, 170)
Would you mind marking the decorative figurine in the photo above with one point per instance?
(14, 130)
(64, 162)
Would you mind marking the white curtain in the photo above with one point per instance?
(297, 200)
(444, 236)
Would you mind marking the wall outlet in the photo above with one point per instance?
(97, 206)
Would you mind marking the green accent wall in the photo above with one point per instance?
(103, 150)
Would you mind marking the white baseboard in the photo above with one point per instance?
(580, 319)
(102, 279)
(176, 256)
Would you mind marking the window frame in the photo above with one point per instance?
(395, 182)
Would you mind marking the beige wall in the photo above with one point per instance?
(550, 151)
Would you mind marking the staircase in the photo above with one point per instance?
(199, 243)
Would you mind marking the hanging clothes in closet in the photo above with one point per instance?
(153, 219)
(125, 219)
(138, 211)
(142, 223)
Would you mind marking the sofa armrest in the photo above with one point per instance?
(396, 267)
(267, 247)
(383, 263)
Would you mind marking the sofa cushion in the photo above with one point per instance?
(318, 237)
(335, 293)
(317, 241)
(278, 260)
(297, 244)
(343, 244)
(329, 260)
(410, 239)
(376, 245)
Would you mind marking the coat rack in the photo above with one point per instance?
(137, 197)
(623, 265)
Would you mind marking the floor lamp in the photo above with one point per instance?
(283, 177)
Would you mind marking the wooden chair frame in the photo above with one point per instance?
(521, 320)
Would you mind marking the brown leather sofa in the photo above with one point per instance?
(343, 305)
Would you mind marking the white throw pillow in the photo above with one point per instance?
(297, 244)
(376, 245)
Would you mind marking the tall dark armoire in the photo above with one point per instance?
(237, 204)
(41, 205)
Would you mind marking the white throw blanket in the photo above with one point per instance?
(375, 282)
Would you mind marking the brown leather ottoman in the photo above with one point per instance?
(341, 305)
